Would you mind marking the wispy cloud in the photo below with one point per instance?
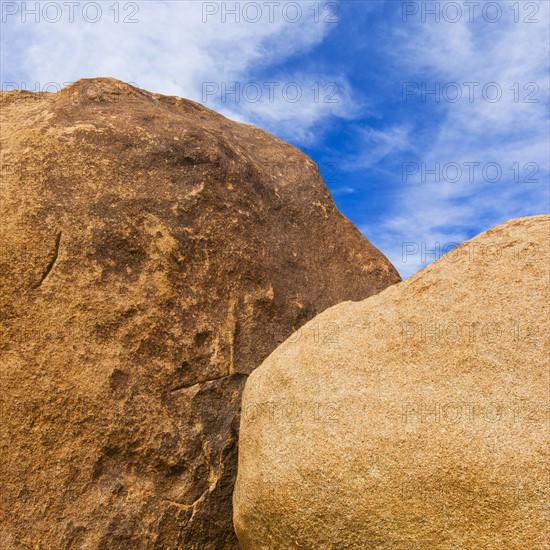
(177, 47)
(298, 106)
(376, 145)
(509, 134)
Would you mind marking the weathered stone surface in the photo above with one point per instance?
(153, 253)
(423, 425)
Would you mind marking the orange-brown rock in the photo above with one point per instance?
(153, 253)
(424, 425)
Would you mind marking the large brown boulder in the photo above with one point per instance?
(423, 425)
(153, 253)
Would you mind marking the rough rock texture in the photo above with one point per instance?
(423, 425)
(153, 253)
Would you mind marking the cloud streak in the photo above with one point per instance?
(509, 134)
(175, 47)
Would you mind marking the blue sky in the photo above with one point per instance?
(349, 83)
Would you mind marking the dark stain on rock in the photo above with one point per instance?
(119, 380)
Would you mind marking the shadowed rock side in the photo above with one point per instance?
(423, 425)
(153, 253)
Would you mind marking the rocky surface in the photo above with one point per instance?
(424, 424)
(153, 253)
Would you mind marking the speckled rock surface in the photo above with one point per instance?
(152, 254)
(423, 425)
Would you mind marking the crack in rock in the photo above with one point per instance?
(52, 261)
(186, 386)
(192, 506)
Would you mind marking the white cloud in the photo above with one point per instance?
(503, 132)
(343, 190)
(175, 47)
(297, 107)
(376, 145)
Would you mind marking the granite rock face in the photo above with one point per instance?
(153, 253)
(423, 424)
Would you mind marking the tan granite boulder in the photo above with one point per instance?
(152, 254)
(421, 424)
